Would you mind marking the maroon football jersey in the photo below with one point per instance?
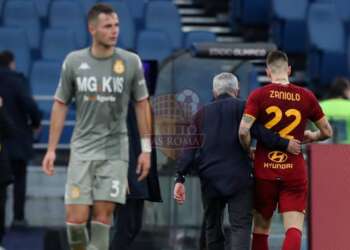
(286, 110)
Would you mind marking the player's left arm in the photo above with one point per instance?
(144, 119)
(324, 131)
(244, 131)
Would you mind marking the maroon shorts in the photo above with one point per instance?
(289, 195)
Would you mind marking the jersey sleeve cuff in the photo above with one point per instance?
(323, 116)
(59, 100)
(142, 98)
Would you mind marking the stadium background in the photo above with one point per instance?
(41, 32)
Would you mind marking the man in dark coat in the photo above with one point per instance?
(223, 166)
(128, 220)
(6, 131)
(26, 117)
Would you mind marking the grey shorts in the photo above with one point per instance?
(97, 180)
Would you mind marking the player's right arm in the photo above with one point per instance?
(244, 131)
(249, 116)
(63, 97)
(324, 131)
(58, 115)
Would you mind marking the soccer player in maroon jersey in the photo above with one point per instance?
(280, 176)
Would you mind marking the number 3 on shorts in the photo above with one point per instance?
(115, 188)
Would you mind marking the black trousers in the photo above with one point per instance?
(19, 168)
(2, 211)
(127, 224)
(240, 217)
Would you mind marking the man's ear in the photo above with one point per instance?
(268, 72)
(289, 70)
(92, 28)
(237, 92)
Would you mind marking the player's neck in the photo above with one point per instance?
(280, 79)
(101, 51)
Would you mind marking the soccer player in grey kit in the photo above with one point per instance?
(101, 79)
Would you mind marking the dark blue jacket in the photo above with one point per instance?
(6, 131)
(222, 164)
(147, 189)
(22, 110)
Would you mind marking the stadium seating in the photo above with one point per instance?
(57, 43)
(2, 2)
(45, 107)
(69, 15)
(342, 7)
(65, 136)
(15, 40)
(198, 36)
(232, 13)
(126, 25)
(45, 76)
(164, 16)
(251, 12)
(137, 10)
(85, 4)
(327, 57)
(289, 25)
(24, 14)
(42, 7)
(177, 75)
(343, 10)
(234, 10)
(149, 40)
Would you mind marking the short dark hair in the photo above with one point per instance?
(6, 57)
(276, 55)
(98, 9)
(338, 88)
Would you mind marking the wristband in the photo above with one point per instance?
(146, 146)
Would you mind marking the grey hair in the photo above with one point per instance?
(225, 83)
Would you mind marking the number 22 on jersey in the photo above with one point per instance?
(278, 115)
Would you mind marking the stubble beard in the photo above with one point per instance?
(105, 45)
